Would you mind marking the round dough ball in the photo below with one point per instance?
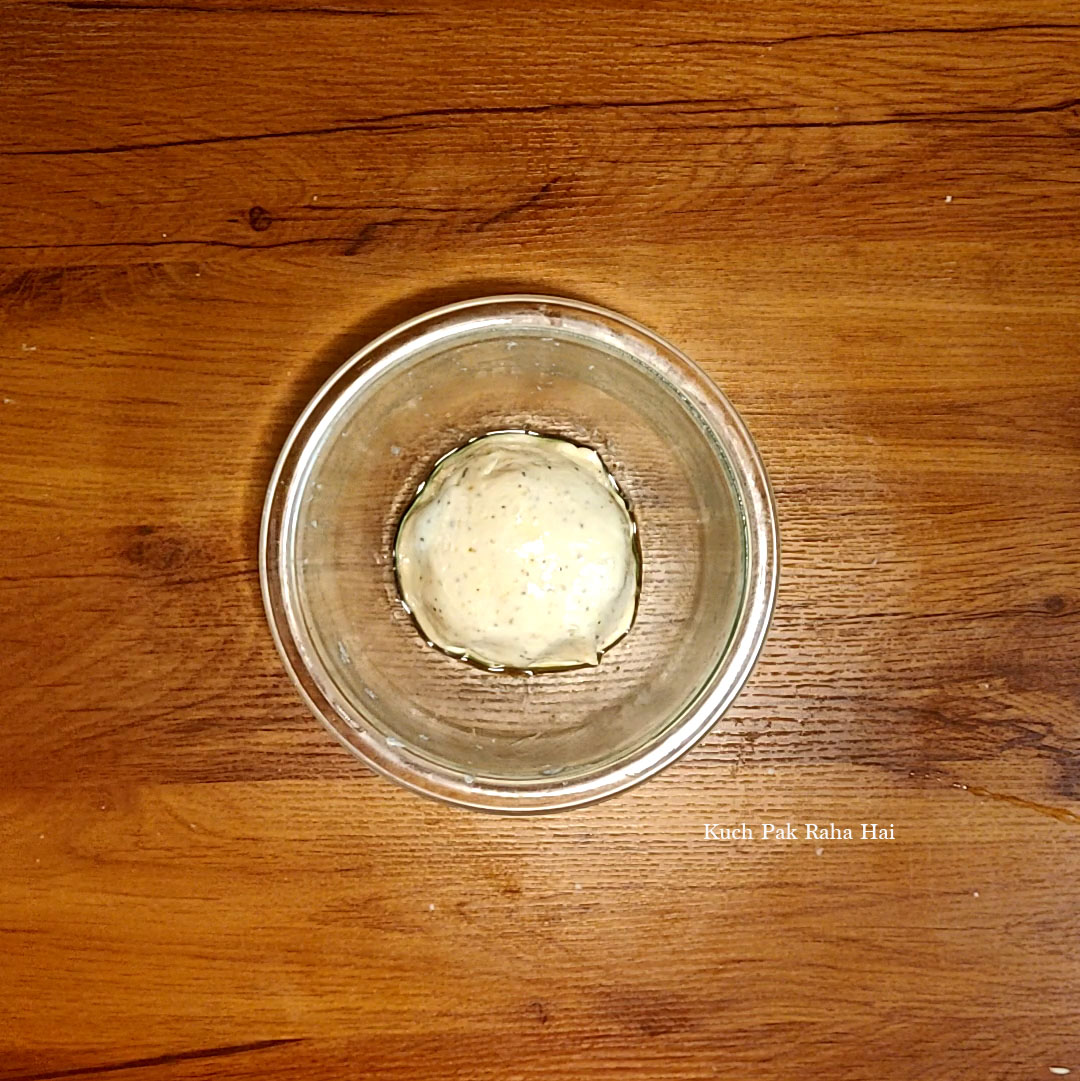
(519, 552)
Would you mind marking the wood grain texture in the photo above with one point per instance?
(862, 219)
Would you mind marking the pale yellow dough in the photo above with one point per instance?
(519, 553)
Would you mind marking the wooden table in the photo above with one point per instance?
(861, 218)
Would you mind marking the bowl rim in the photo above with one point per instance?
(696, 718)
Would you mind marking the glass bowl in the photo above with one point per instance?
(518, 742)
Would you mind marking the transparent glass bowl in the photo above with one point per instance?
(351, 466)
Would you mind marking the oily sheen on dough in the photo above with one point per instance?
(519, 553)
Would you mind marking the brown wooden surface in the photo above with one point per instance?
(862, 218)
